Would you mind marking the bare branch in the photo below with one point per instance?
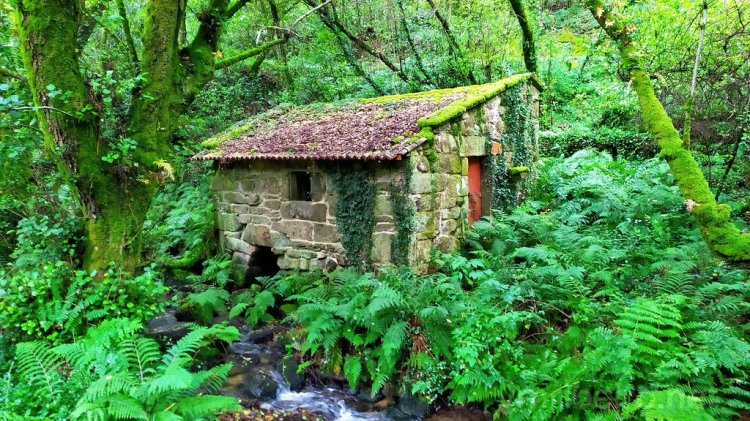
(453, 46)
(332, 22)
(308, 13)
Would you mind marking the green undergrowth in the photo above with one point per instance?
(595, 299)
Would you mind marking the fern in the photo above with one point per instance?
(39, 365)
(668, 405)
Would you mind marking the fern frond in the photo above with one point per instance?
(198, 407)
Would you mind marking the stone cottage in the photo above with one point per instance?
(373, 182)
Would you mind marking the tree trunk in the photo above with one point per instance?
(529, 46)
(713, 219)
(687, 125)
(112, 208)
(113, 199)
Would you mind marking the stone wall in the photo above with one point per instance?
(254, 209)
(439, 188)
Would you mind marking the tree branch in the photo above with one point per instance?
(235, 8)
(128, 35)
(11, 74)
(333, 23)
(529, 47)
(453, 46)
(418, 57)
(251, 52)
(687, 123)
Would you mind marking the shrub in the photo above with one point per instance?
(57, 303)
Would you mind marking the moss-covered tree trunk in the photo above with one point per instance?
(113, 210)
(529, 45)
(714, 220)
(114, 199)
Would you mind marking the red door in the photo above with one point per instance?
(475, 189)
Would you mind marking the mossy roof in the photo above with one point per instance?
(384, 128)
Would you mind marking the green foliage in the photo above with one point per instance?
(596, 298)
(355, 216)
(116, 374)
(57, 303)
(180, 223)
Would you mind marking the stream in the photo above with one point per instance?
(266, 382)
(264, 377)
(330, 403)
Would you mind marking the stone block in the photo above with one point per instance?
(273, 184)
(260, 220)
(422, 251)
(450, 164)
(420, 162)
(227, 222)
(326, 233)
(233, 197)
(446, 243)
(385, 227)
(238, 245)
(288, 263)
(445, 142)
(259, 235)
(247, 185)
(469, 123)
(423, 203)
(272, 204)
(424, 221)
(240, 262)
(222, 182)
(381, 247)
(304, 210)
(295, 230)
(239, 209)
(280, 240)
(422, 183)
(448, 226)
(252, 199)
(331, 199)
(318, 187)
(383, 210)
(223, 207)
(474, 146)
(450, 213)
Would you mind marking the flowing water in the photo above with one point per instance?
(257, 361)
(331, 403)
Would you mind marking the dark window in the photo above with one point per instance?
(301, 186)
